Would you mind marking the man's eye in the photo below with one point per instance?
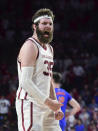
(44, 23)
(50, 23)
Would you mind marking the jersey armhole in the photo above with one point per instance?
(36, 46)
(51, 49)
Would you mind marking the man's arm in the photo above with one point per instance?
(58, 114)
(28, 55)
(75, 105)
(52, 92)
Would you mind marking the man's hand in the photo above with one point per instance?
(59, 115)
(54, 105)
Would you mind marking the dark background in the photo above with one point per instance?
(75, 40)
(75, 25)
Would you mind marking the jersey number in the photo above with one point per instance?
(49, 68)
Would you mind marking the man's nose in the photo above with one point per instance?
(48, 27)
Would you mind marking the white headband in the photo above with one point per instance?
(41, 17)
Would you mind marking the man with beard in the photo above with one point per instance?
(36, 105)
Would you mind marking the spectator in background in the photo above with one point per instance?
(86, 94)
(70, 121)
(93, 104)
(84, 116)
(4, 105)
(4, 110)
(93, 126)
(70, 78)
(72, 129)
(79, 75)
(79, 125)
(81, 101)
(96, 97)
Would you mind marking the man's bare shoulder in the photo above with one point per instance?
(29, 45)
(28, 53)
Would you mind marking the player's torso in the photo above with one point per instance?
(42, 71)
(62, 98)
(60, 95)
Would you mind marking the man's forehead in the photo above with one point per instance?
(46, 20)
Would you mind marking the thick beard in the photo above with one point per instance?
(42, 38)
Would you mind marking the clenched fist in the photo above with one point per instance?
(59, 115)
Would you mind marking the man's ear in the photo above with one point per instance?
(34, 26)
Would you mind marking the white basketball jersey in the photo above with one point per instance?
(42, 71)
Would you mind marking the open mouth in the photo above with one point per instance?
(46, 34)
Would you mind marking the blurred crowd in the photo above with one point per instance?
(75, 55)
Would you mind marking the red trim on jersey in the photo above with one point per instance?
(46, 73)
(22, 116)
(60, 93)
(51, 49)
(37, 54)
(37, 47)
(31, 116)
(19, 93)
(45, 47)
(25, 95)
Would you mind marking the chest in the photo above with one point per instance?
(45, 62)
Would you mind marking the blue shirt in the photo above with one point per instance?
(64, 97)
(79, 127)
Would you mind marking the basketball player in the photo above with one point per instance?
(35, 63)
(64, 97)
